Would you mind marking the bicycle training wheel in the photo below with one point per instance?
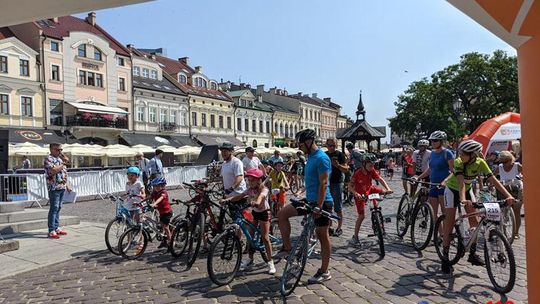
(294, 268)
(114, 230)
(132, 243)
(456, 249)
(500, 261)
(224, 257)
(402, 216)
(422, 226)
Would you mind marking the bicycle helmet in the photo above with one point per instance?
(470, 146)
(159, 181)
(226, 146)
(423, 142)
(369, 157)
(305, 134)
(255, 172)
(134, 170)
(350, 145)
(437, 135)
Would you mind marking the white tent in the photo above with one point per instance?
(117, 151)
(142, 149)
(28, 149)
(83, 150)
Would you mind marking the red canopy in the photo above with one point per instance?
(487, 131)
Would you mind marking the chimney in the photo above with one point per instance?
(327, 99)
(198, 69)
(314, 95)
(91, 18)
(242, 85)
(184, 60)
(259, 98)
(130, 46)
(285, 93)
(260, 89)
(273, 90)
(248, 86)
(299, 94)
(278, 92)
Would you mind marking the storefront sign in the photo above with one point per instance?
(91, 66)
(30, 135)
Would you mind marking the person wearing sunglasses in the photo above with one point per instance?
(337, 177)
(56, 171)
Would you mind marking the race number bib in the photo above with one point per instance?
(493, 212)
(374, 196)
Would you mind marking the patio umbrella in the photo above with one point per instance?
(142, 149)
(28, 149)
(83, 150)
(118, 151)
(167, 148)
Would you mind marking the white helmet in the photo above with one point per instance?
(470, 146)
(423, 142)
(437, 135)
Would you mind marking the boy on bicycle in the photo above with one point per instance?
(279, 182)
(160, 201)
(361, 186)
(135, 193)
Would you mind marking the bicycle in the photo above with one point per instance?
(508, 221)
(419, 216)
(302, 249)
(122, 221)
(226, 248)
(494, 242)
(377, 220)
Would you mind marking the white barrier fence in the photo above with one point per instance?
(33, 187)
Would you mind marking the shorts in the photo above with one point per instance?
(336, 190)
(263, 216)
(436, 192)
(390, 171)
(404, 174)
(321, 221)
(451, 197)
(361, 204)
(165, 219)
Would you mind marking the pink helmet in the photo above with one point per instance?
(255, 172)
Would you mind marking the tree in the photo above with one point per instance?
(460, 97)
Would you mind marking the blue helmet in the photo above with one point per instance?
(159, 181)
(134, 170)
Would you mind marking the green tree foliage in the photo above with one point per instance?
(460, 97)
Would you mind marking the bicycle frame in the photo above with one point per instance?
(473, 236)
(256, 240)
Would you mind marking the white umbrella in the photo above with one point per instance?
(166, 148)
(83, 150)
(118, 151)
(142, 149)
(29, 149)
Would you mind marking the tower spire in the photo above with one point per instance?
(360, 110)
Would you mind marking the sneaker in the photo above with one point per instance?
(320, 277)
(338, 232)
(282, 254)
(446, 268)
(246, 264)
(163, 244)
(53, 235)
(476, 260)
(60, 232)
(271, 267)
(354, 241)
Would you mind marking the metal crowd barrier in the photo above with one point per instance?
(33, 187)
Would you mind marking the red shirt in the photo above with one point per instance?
(408, 164)
(164, 206)
(362, 182)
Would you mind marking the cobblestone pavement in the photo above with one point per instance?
(404, 276)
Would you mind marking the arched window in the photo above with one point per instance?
(276, 129)
(281, 130)
(286, 130)
(200, 82)
(182, 78)
(97, 54)
(213, 85)
(254, 143)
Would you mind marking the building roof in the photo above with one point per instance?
(162, 85)
(307, 99)
(5, 33)
(277, 108)
(68, 24)
(237, 93)
(361, 129)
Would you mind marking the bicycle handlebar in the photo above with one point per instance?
(315, 209)
(502, 203)
(416, 181)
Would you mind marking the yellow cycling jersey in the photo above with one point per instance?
(470, 172)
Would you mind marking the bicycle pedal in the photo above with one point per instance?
(371, 235)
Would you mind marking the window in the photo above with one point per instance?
(246, 124)
(212, 121)
(25, 71)
(26, 106)
(136, 71)
(183, 118)
(267, 127)
(310, 114)
(97, 54)
(55, 47)
(82, 50)
(121, 61)
(254, 125)
(173, 116)
(152, 116)
(55, 72)
(182, 78)
(90, 79)
(213, 85)
(239, 124)
(99, 80)
(55, 110)
(194, 119)
(3, 64)
(4, 104)
(82, 77)
(163, 115)
(200, 82)
(122, 84)
(145, 73)
(229, 123)
(261, 129)
(203, 120)
(140, 113)
(153, 74)
(220, 122)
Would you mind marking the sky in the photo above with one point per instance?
(333, 48)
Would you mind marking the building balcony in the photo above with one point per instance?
(168, 127)
(102, 121)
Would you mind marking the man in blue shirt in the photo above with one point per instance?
(276, 157)
(155, 167)
(317, 173)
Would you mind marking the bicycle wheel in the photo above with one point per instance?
(114, 230)
(378, 231)
(508, 224)
(197, 234)
(500, 262)
(180, 239)
(294, 185)
(275, 235)
(225, 253)
(422, 226)
(133, 242)
(294, 268)
(456, 249)
(402, 216)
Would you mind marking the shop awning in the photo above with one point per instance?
(92, 108)
(37, 136)
(155, 140)
(205, 140)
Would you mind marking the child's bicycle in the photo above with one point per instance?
(498, 254)
(225, 252)
(377, 220)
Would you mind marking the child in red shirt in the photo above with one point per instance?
(361, 184)
(160, 199)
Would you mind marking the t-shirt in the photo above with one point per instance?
(408, 164)
(438, 164)
(421, 160)
(132, 190)
(317, 163)
(252, 196)
(164, 206)
(363, 181)
(229, 171)
(275, 159)
(278, 179)
(469, 171)
(336, 176)
(155, 167)
(249, 163)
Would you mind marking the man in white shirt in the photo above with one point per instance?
(421, 158)
(251, 161)
(232, 171)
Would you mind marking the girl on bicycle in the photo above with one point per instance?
(467, 167)
(135, 193)
(509, 172)
(257, 197)
(160, 201)
(279, 182)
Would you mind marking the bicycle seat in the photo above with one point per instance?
(299, 201)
